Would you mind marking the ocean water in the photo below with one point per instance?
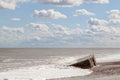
(49, 63)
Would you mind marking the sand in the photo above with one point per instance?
(103, 71)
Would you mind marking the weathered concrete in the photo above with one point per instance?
(85, 63)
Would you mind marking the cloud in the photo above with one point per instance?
(10, 29)
(41, 27)
(114, 16)
(37, 38)
(70, 3)
(15, 19)
(56, 34)
(105, 35)
(40, 32)
(10, 4)
(61, 30)
(83, 12)
(65, 31)
(103, 29)
(62, 3)
(93, 35)
(97, 1)
(78, 25)
(95, 21)
(49, 14)
(76, 31)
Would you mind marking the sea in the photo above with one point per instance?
(49, 63)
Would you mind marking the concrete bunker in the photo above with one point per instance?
(85, 62)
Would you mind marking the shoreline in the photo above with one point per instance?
(100, 72)
(103, 71)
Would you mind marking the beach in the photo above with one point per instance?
(104, 71)
(32, 64)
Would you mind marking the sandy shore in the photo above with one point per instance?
(103, 71)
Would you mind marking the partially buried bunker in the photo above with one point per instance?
(85, 62)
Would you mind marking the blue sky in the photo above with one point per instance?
(60, 23)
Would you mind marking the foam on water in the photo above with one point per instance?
(55, 68)
(43, 72)
(109, 58)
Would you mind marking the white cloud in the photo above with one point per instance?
(15, 19)
(97, 1)
(115, 21)
(65, 32)
(114, 16)
(76, 31)
(70, 3)
(59, 34)
(41, 27)
(10, 29)
(78, 25)
(10, 35)
(49, 14)
(107, 36)
(63, 3)
(37, 38)
(95, 21)
(83, 12)
(59, 29)
(103, 29)
(115, 11)
(94, 34)
(10, 4)
(40, 32)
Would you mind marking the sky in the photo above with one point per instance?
(59, 23)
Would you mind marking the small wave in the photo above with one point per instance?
(7, 60)
(109, 58)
